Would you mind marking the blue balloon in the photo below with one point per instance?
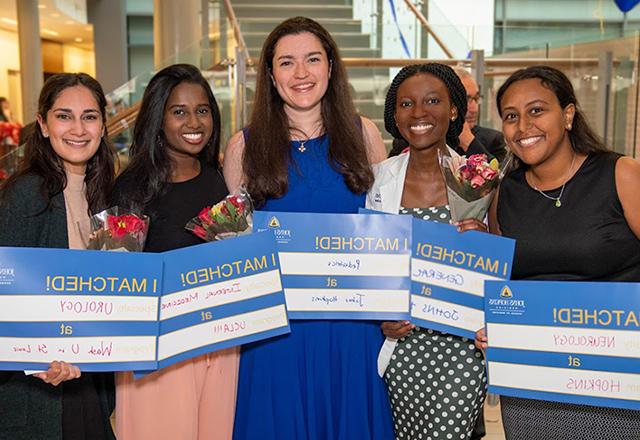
(626, 5)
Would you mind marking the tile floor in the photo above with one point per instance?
(493, 422)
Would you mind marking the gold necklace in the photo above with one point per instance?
(301, 147)
(558, 203)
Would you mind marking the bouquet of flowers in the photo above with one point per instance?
(10, 133)
(230, 217)
(119, 230)
(471, 183)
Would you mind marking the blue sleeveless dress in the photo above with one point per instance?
(319, 382)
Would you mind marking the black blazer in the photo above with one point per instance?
(29, 408)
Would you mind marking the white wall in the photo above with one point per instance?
(462, 32)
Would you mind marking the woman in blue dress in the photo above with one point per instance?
(306, 150)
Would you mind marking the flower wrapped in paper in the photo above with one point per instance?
(230, 217)
(471, 183)
(117, 229)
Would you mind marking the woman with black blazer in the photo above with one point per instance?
(66, 173)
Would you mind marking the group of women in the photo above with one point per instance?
(307, 150)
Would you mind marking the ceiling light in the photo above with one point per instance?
(49, 32)
(42, 6)
(78, 40)
(55, 15)
(8, 20)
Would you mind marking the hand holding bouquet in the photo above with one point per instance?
(471, 183)
(116, 229)
(230, 217)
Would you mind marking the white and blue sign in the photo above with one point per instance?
(120, 311)
(448, 272)
(97, 310)
(342, 266)
(219, 295)
(575, 342)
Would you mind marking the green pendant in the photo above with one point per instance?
(558, 203)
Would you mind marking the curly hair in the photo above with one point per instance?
(457, 94)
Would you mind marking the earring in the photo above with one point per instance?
(569, 127)
(453, 118)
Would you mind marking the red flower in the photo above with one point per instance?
(119, 225)
(205, 216)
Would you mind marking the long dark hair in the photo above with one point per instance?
(267, 152)
(457, 94)
(40, 159)
(150, 166)
(583, 139)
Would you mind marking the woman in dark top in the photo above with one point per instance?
(572, 207)
(174, 172)
(65, 175)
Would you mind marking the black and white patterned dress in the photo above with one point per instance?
(436, 381)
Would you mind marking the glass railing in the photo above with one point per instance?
(609, 96)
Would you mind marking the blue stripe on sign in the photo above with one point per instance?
(345, 282)
(357, 316)
(220, 312)
(561, 360)
(452, 296)
(79, 328)
(84, 367)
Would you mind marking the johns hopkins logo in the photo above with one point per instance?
(274, 222)
(282, 235)
(506, 292)
(7, 275)
(507, 303)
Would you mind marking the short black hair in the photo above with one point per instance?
(457, 94)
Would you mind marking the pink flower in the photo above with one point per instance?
(477, 181)
(477, 160)
(489, 173)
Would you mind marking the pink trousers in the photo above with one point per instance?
(192, 400)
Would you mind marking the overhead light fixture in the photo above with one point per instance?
(49, 32)
(41, 6)
(78, 40)
(55, 15)
(8, 21)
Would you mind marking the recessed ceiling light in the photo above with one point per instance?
(8, 20)
(42, 6)
(55, 15)
(50, 32)
(78, 40)
(69, 22)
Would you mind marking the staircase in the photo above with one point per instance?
(258, 19)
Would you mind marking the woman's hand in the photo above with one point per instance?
(481, 339)
(471, 224)
(397, 329)
(59, 372)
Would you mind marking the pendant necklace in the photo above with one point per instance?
(558, 203)
(301, 147)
